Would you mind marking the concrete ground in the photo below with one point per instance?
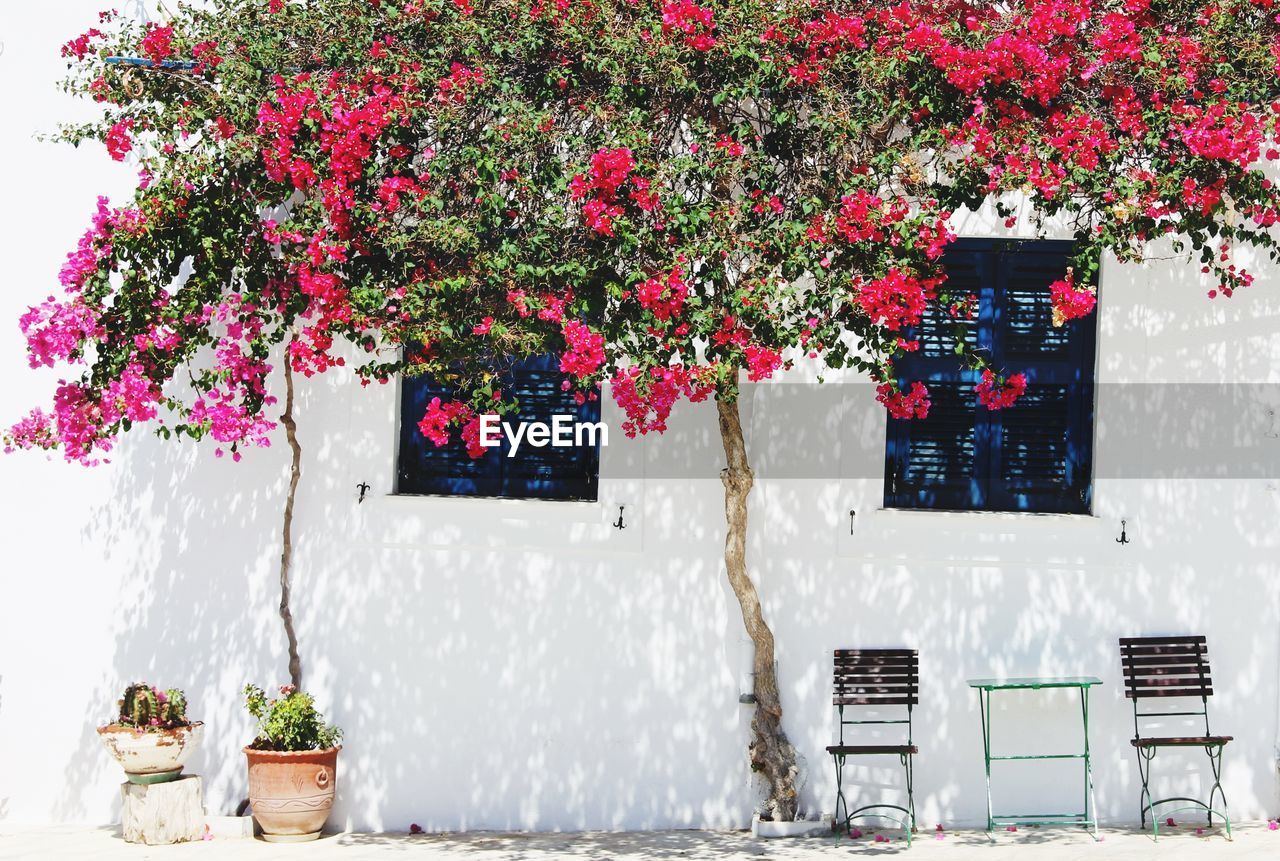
(1252, 841)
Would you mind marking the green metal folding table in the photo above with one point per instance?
(1088, 817)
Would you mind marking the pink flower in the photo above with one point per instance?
(647, 398)
(1070, 300)
(761, 362)
(441, 415)
(119, 144)
(81, 45)
(54, 330)
(461, 81)
(664, 295)
(415, 828)
(730, 147)
(585, 352)
(157, 45)
(896, 300)
(483, 327)
(913, 404)
(599, 216)
(693, 21)
(996, 393)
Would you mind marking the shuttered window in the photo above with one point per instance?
(1034, 456)
(549, 472)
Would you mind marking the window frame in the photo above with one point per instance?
(986, 489)
(498, 481)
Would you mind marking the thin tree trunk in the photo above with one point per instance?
(772, 756)
(286, 556)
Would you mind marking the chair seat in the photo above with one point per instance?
(867, 749)
(1182, 741)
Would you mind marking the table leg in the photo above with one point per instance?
(1090, 802)
(984, 710)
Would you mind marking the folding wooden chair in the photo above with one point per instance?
(874, 679)
(1172, 667)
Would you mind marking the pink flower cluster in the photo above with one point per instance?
(1070, 300)
(81, 45)
(664, 295)
(54, 330)
(1215, 132)
(585, 350)
(455, 87)
(898, 299)
(441, 415)
(34, 431)
(807, 52)
(647, 398)
(226, 419)
(278, 126)
(157, 45)
(82, 423)
(392, 188)
(610, 169)
(730, 147)
(913, 403)
(761, 362)
(863, 216)
(997, 393)
(694, 22)
(118, 142)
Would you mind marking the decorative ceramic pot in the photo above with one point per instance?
(292, 791)
(151, 756)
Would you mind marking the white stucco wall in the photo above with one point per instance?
(525, 665)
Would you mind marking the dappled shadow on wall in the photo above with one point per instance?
(537, 684)
(1188, 455)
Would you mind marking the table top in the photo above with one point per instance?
(1033, 682)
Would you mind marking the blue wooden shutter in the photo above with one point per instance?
(940, 462)
(549, 472)
(538, 473)
(1041, 455)
(933, 462)
(1035, 456)
(448, 469)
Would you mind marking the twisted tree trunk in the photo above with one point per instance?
(286, 556)
(772, 756)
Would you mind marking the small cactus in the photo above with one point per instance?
(144, 707)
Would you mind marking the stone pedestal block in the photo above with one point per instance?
(162, 812)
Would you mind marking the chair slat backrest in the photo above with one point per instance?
(876, 677)
(1165, 667)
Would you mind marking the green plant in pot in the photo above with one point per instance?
(293, 765)
(151, 736)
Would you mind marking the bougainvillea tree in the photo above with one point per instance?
(670, 195)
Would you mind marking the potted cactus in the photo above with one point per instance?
(151, 737)
(293, 765)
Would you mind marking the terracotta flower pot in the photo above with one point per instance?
(151, 756)
(292, 791)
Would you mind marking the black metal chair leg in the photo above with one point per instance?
(1144, 772)
(911, 797)
(1215, 764)
(841, 803)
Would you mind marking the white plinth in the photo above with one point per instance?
(162, 812)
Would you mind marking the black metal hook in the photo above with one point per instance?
(1123, 539)
(851, 514)
(619, 524)
(363, 487)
